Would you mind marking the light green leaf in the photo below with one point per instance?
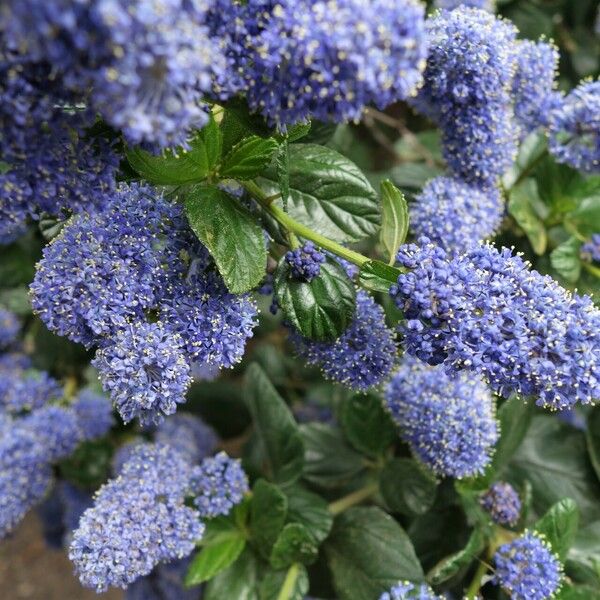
(248, 158)
(559, 525)
(520, 206)
(394, 219)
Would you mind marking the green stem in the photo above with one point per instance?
(591, 269)
(299, 229)
(473, 588)
(356, 497)
(287, 589)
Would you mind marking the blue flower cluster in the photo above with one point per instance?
(189, 435)
(105, 279)
(488, 5)
(363, 356)
(485, 311)
(94, 414)
(10, 325)
(574, 128)
(502, 502)
(590, 251)
(527, 568)
(164, 583)
(23, 390)
(449, 422)
(305, 262)
(455, 214)
(405, 590)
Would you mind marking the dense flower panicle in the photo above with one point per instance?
(363, 356)
(455, 214)
(50, 512)
(137, 521)
(94, 414)
(574, 128)
(590, 251)
(534, 84)
(57, 428)
(164, 583)
(326, 60)
(9, 328)
(449, 422)
(527, 568)
(124, 452)
(145, 371)
(489, 5)
(21, 391)
(75, 502)
(219, 483)
(486, 311)
(305, 262)
(405, 590)
(502, 502)
(189, 435)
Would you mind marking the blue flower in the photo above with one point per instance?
(189, 435)
(590, 251)
(10, 325)
(305, 262)
(502, 502)
(454, 214)
(219, 483)
(21, 391)
(94, 414)
(405, 590)
(488, 5)
(57, 429)
(363, 356)
(164, 583)
(449, 422)
(527, 568)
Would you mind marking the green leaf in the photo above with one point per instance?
(559, 525)
(330, 462)
(248, 158)
(213, 559)
(288, 584)
(457, 562)
(328, 193)
(296, 132)
(232, 236)
(592, 437)
(565, 259)
(180, 166)
(577, 592)
(413, 176)
(394, 219)
(238, 123)
(583, 561)
(16, 300)
(282, 163)
(367, 426)
(520, 206)
(531, 151)
(321, 309)
(267, 515)
(294, 544)
(309, 510)
(239, 581)
(377, 276)
(586, 217)
(368, 552)
(17, 266)
(275, 427)
(406, 487)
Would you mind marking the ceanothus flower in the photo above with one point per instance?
(449, 422)
(305, 262)
(94, 414)
(57, 428)
(590, 251)
(164, 583)
(574, 128)
(527, 568)
(455, 214)
(219, 483)
(145, 370)
(327, 59)
(22, 391)
(363, 356)
(138, 520)
(189, 435)
(502, 502)
(9, 328)
(75, 502)
(488, 5)
(406, 590)
(485, 311)
(50, 512)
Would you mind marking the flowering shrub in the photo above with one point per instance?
(301, 299)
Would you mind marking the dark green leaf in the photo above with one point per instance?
(90, 464)
(232, 236)
(559, 525)
(296, 132)
(17, 266)
(310, 510)
(287, 584)
(586, 217)
(16, 300)
(520, 206)
(578, 592)
(267, 515)
(583, 561)
(368, 552)
(320, 132)
(328, 193)
(413, 176)
(377, 276)
(248, 158)
(565, 259)
(275, 426)
(320, 309)
(214, 558)
(394, 219)
(239, 581)
(366, 424)
(283, 172)
(406, 487)
(238, 123)
(592, 436)
(294, 544)
(531, 151)
(330, 462)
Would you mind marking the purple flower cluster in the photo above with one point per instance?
(305, 262)
(449, 422)
(363, 356)
(189, 435)
(527, 568)
(164, 583)
(10, 325)
(94, 414)
(502, 502)
(455, 214)
(485, 311)
(26, 390)
(590, 251)
(488, 5)
(405, 590)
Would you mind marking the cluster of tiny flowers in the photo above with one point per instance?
(455, 214)
(164, 583)
(527, 568)
(502, 502)
(94, 414)
(484, 310)
(324, 59)
(590, 251)
(9, 328)
(219, 483)
(26, 390)
(405, 590)
(305, 262)
(467, 87)
(138, 520)
(574, 128)
(363, 356)
(488, 5)
(449, 422)
(189, 435)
